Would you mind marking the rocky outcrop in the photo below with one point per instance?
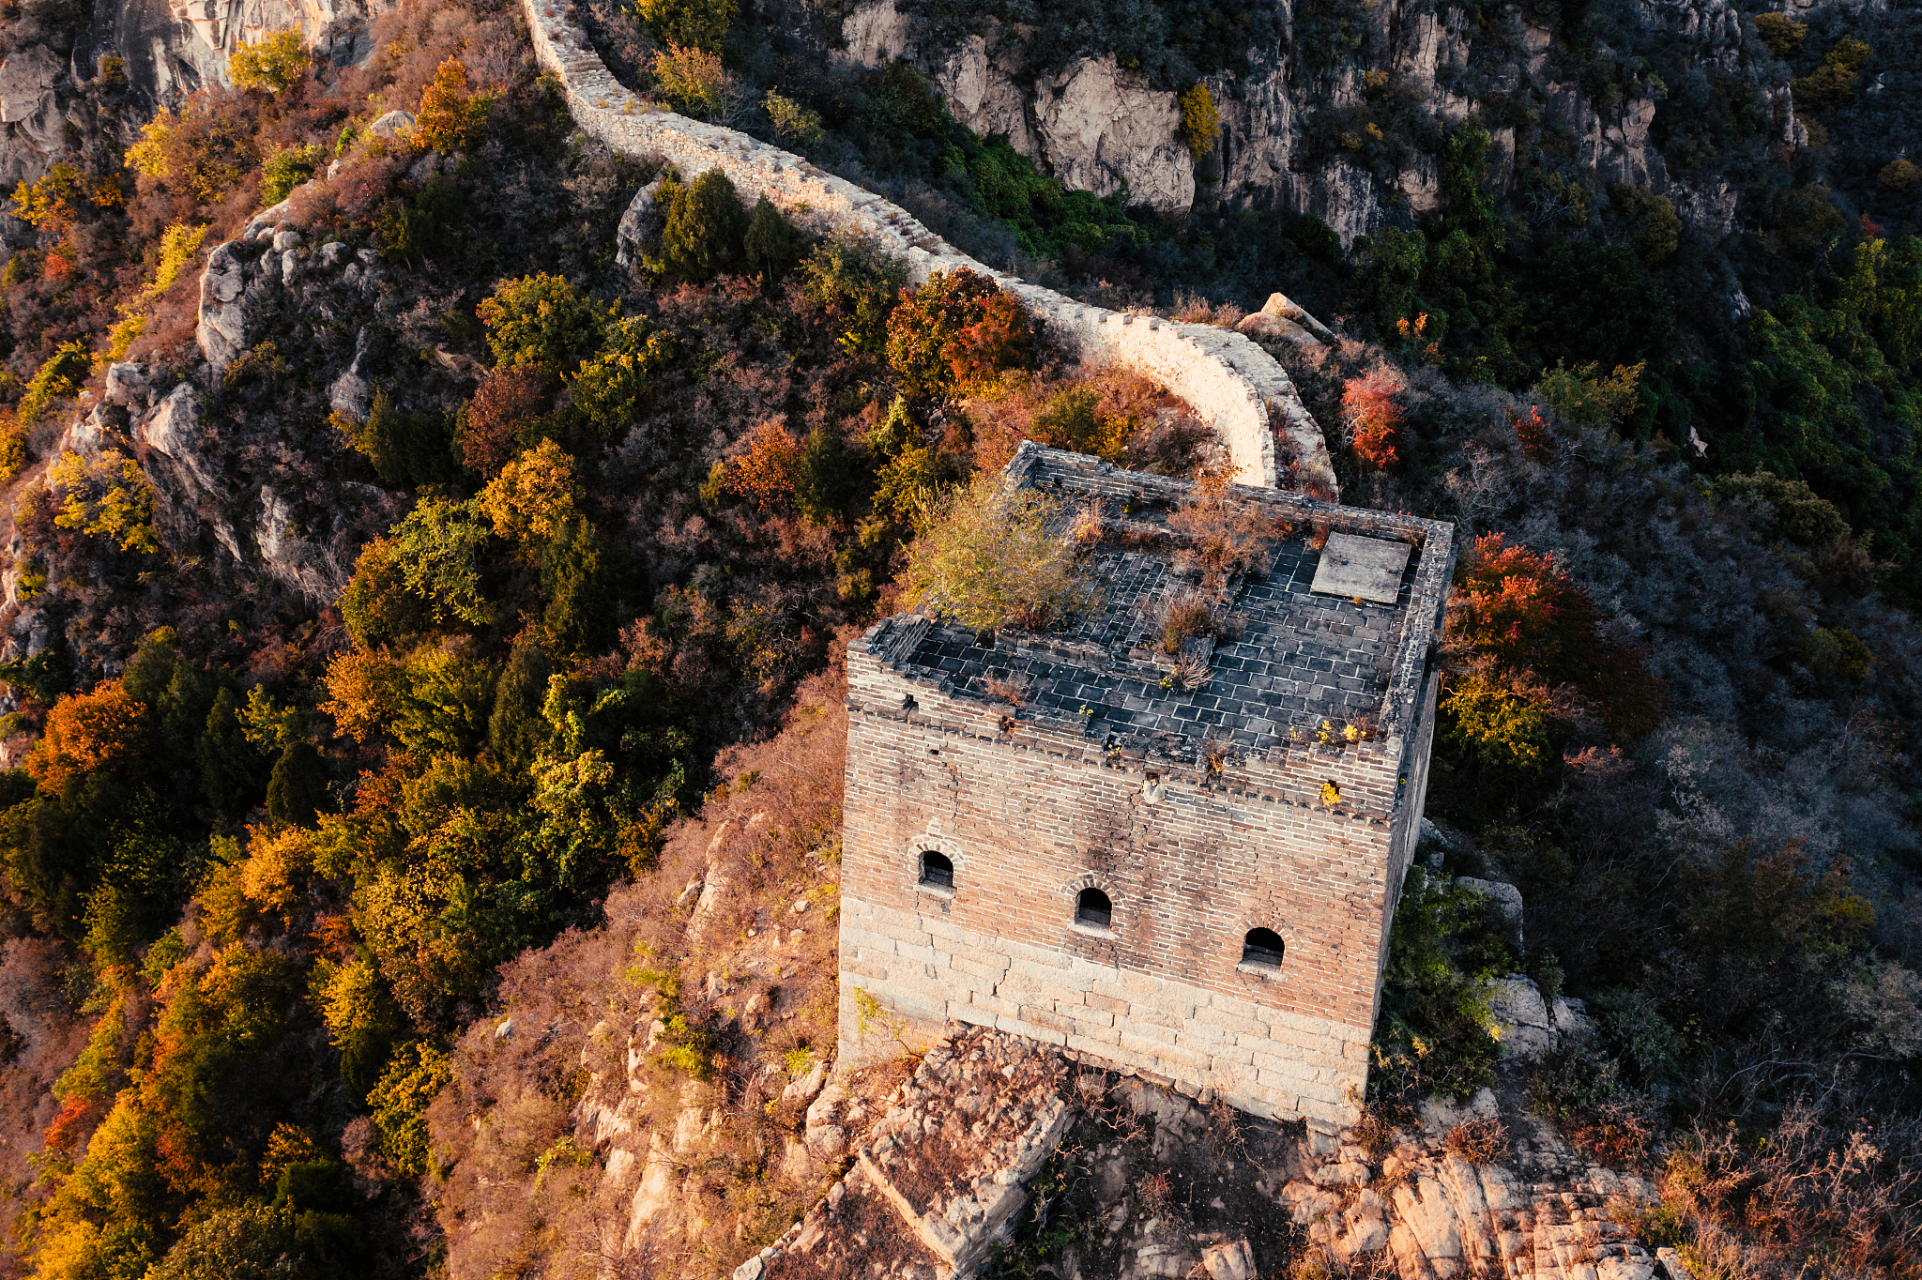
(32, 127)
(940, 1179)
(173, 47)
(1097, 128)
(1104, 130)
(1231, 383)
(1178, 1186)
(980, 91)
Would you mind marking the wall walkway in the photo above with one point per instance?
(1234, 385)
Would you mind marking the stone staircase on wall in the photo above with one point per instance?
(1230, 381)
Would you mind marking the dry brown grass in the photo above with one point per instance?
(1479, 1140)
(754, 996)
(1809, 1197)
(1192, 308)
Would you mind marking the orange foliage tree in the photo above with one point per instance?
(957, 329)
(764, 473)
(1528, 650)
(86, 732)
(1369, 408)
(450, 118)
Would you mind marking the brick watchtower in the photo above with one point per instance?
(1183, 864)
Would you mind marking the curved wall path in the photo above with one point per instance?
(1234, 385)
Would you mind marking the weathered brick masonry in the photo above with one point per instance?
(1200, 814)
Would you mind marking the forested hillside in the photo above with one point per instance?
(387, 696)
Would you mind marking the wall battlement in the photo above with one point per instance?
(1247, 853)
(1232, 384)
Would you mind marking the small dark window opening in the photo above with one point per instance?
(1262, 947)
(1093, 907)
(937, 870)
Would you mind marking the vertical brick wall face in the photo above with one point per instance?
(1027, 827)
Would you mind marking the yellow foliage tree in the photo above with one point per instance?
(148, 156)
(1584, 396)
(363, 687)
(106, 498)
(1200, 120)
(450, 118)
(275, 64)
(102, 729)
(533, 495)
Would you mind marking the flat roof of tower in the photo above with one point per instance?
(1330, 626)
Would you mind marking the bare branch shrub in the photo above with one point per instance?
(1479, 1139)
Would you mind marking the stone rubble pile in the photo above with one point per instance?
(940, 1178)
(1438, 1215)
(943, 1176)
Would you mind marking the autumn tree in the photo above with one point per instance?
(958, 328)
(450, 118)
(104, 730)
(533, 495)
(276, 63)
(542, 322)
(856, 287)
(1529, 658)
(1372, 414)
(509, 403)
(990, 558)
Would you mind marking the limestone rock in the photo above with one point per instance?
(1231, 1261)
(222, 328)
(83, 435)
(29, 102)
(652, 1196)
(804, 1089)
(1507, 899)
(1102, 128)
(1525, 1030)
(876, 34)
(1570, 1017)
(349, 394)
(1280, 304)
(983, 94)
(1259, 324)
(392, 125)
(639, 224)
(172, 429)
(127, 384)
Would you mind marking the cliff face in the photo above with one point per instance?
(1300, 129)
(167, 49)
(172, 47)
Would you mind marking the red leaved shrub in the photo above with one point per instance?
(1371, 413)
(764, 472)
(507, 398)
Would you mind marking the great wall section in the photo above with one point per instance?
(1234, 385)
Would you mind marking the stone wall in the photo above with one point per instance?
(1194, 848)
(1028, 824)
(1234, 385)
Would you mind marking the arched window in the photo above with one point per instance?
(1262, 948)
(1091, 907)
(937, 870)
